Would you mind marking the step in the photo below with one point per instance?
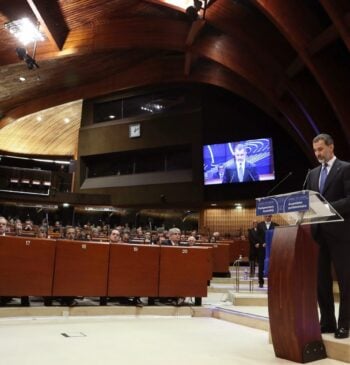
(248, 299)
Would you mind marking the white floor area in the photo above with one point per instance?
(169, 338)
(133, 340)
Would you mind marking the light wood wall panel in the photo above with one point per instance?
(230, 221)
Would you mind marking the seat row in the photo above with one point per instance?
(47, 267)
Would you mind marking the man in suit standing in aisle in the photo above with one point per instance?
(240, 170)
(262, 227)
(332, 180)
(254, 239)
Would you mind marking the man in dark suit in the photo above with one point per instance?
(254, 240)
(332, 180)
(240, 170)
(262, 227)
(174, 237)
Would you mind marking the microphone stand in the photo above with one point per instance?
(306, 178)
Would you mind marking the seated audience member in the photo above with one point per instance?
(57, 227)
(174, 237)
(41, 232)
(139, 233)
(95, 235)
(183, 238)
(70, 233)
(217, 236)
(3, 226)
(78, 235)
(18, 227)
(155, 238)
(174, 240)
(212, 239)
(126, 237)
(219, 174)
(148, 238)
(28, 225)
(191, 240)
(115, 236)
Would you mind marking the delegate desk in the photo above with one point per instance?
(26, 266)
(237, 248)
(220, 258)
(81, 269)
(133, 270)
(184, 271)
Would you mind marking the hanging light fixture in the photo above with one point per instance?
(25, 31)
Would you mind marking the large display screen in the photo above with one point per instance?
(238, 162)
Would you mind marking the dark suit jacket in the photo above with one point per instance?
(254, 238)
(262, 229)
(231, 173)
(337, 193)
(168, 243)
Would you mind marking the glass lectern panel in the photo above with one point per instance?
(297, 208)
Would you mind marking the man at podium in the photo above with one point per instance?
(332, 180)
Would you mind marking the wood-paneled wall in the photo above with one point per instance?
(231, 221)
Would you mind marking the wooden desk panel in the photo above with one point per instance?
(221, 257)
(81, 268)
(184, 271)
(133, 270)
(237, 248)
(26, 266)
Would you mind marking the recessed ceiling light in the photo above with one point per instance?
(111, 116)
(39, 118)
(213, 204)
(22, 78)
(66, 120)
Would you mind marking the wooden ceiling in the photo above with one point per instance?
(290, 58)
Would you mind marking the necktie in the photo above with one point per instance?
(240, 173)
(323, 177)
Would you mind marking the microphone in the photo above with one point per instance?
(276, 186)
(306, 178)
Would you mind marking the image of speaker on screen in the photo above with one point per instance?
(238, 162)
(239, 169)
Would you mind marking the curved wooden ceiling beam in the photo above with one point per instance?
(233, 55)
(51, 20)
(130, 33)
(332, 76)
(237, 21)
(234, 19)
(339, 12)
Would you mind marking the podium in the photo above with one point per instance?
(292, 293)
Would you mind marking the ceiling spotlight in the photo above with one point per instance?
(24, 56)
(22, 79)
(66, 120)
(24, 30)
